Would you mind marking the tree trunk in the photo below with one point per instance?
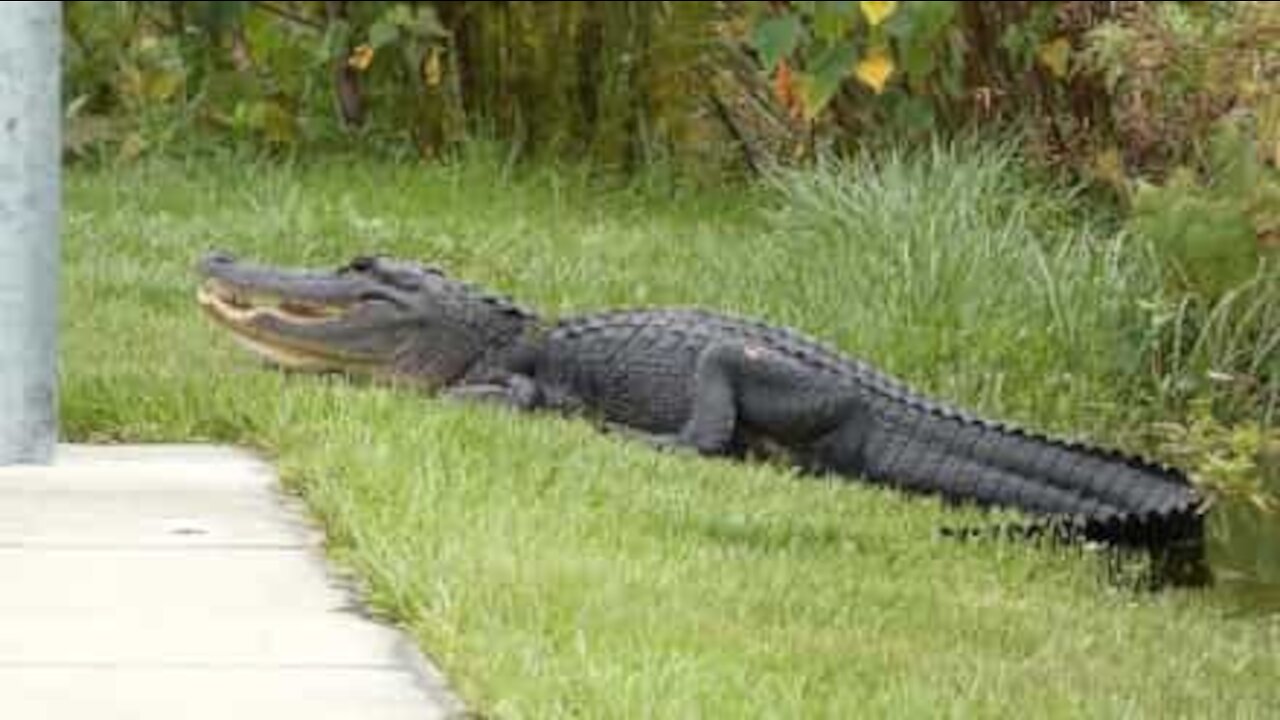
(346, 81)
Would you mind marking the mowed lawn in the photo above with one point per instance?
(555, 572)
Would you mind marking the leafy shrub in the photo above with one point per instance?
(1229, 459)
(614, 81)
(857, 70)
(1177, 72)
(1214, 231)
(1195, 145)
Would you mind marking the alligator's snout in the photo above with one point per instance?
(372, 315)
(303, 319)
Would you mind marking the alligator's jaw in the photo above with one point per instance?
(382, 319)
(247, 319)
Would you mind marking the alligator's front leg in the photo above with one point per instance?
(515, 392)
(740, 387)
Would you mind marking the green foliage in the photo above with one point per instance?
(826, 43)
(1229, 460)
(614, 81)
(776, 38)
(1240, 464)
(1213, 222)
(915, 67)
(1223, 350)
(145, 77)
(1176, 73)
(1206, 237)
(1119, 90)
(921, 271)
(1213, 229)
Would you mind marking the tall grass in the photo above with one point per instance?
(952, 269)
(1226, 349)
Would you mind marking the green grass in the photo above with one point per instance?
(554, 572)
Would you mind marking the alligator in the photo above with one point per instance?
(693, 380)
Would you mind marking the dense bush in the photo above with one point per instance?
(606, 80)
(1121, 88)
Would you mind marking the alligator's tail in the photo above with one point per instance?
(1096, 494)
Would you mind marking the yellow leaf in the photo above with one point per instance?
(131, 82)
(784, 87)
(877, 12)
(361, 58)
(1054, 55)
(162, 85)
(1108, 166)
(132, 147)
(431, 67)
(278, 125)
(874, 70)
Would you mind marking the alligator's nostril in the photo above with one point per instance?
(213, 260)
(218, 257)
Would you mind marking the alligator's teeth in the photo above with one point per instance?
(303, 309)
(285, 356)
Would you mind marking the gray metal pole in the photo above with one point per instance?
(30, 199)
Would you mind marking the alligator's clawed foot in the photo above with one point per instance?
(663, 442)
(492, 395)
(669, 444)
(510, 393)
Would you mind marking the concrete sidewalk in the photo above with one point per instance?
(178, 582)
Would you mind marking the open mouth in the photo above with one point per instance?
(265, 324)
(242, 307)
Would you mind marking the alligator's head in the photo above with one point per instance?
(374, 316)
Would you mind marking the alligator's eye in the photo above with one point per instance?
(408, 276)
(380, 299)
(363, 263)
(404, 279)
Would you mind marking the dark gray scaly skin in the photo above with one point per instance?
(722, 385)
(715, 383)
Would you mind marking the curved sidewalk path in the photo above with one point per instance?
(179, 582)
